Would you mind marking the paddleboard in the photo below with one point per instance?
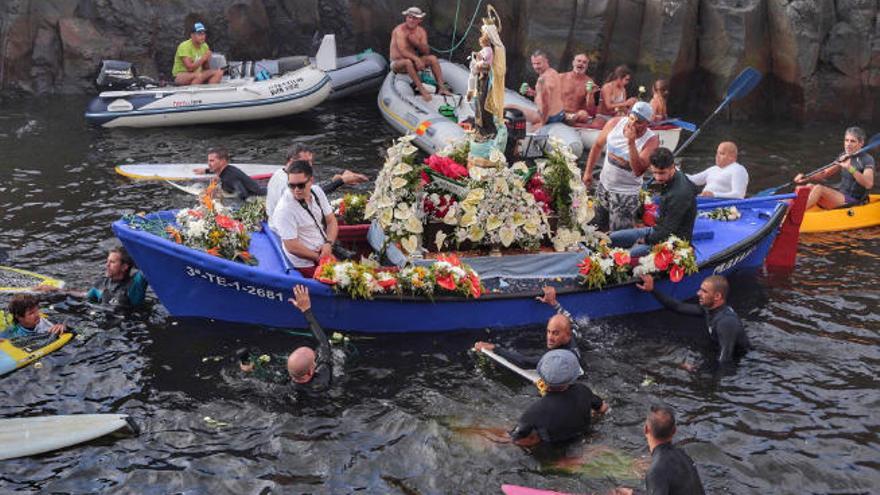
(196, 189)
(14, 280)
(17, 353)
(185, 171)
(21, 437)
(530, 375)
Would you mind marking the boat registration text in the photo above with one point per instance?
(222, 281)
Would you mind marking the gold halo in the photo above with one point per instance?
(492, 14)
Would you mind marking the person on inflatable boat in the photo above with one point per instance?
(856, 176)
(27, 320)
(578, 91)
(410, 53)
(613, 100)
(192, 61)
(548, 94)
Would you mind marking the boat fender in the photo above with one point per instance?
(120, 105)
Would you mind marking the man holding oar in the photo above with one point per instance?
(856, 175)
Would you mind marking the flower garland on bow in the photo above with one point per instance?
(569, 197)
(723, 214)
(365, 279)
(614, 265)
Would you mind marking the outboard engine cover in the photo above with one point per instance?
(515, 121)
(115, 75)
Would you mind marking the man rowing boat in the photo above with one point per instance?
(856, 176)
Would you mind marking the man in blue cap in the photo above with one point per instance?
(565, 412)
(192, 60)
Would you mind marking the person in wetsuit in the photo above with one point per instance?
(565, 412)
(27, 320)
(120, 286)
(672, 471)
(232, 179)
(562, 331)
(724, 325)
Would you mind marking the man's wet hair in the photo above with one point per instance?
(541, 53)
(719, 284)
(300, 167)
(221, 152)
(21, 304)
(661, 420)
(123, 256)
(662, 158)
(858, 132)
(296, 149)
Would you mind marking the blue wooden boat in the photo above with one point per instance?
(191, 283)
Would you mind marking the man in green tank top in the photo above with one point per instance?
(192, 60)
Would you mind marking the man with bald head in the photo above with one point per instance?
(561, 334)
(727, 178)
(310, 372)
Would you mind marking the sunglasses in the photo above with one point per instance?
(301, 185)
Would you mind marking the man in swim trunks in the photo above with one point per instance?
(856, 176)
(192, 61)
(548, 95)
(724, 326)
(410, 53)
(562, 331)
(565, 412)
(658, 99)
(727, 179)
(578, 92)
(678, 208)
(232, 179)
(613, 101)
(628, 145)
(118, 286)
(27, 321)
(277, 186)
(672, 471)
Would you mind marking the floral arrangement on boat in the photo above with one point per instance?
(215, 229)
(350, 208)
(722, 214)
(608, 265)
(365, 279)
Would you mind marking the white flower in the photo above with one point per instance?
(402, 168)
(439, 239)
(386, 217)
(497, 157)
(606, 264)
(414, 225)
(450, 217)
(493, 222)
(475, 233)
(398, 182)
(403, 212)
(410, 244)
(507, 235)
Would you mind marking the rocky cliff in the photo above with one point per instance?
(821, 58)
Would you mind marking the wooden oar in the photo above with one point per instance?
(744, 83)
(872, 143)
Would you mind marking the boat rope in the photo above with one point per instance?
(454, 46)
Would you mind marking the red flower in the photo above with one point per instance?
(225, 222)
(585, 266)
(476, 289)
(649, 217)
(425, 179)
(676, 273)
(387, 283)
(446, 166)
(342, 207)
(663, 259)
(450, 258)
(446, 282)
(195, 213)
(621, 258)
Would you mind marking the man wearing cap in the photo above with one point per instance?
(410, 52)
(678, 208)
(192, 60)
(565, 412)
(628, 144)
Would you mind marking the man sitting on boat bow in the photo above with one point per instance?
(410, 53)
(562, 331)
(304, 220)
(192, 60)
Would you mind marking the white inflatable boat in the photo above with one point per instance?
(669, 135)
(407, 112)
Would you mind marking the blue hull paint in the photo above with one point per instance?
(191, 283)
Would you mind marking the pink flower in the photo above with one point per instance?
(663, 259)
(676, 273)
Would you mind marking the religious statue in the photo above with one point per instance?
(486, 91)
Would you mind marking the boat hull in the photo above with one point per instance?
(357, 74)
(191, 283)
(669, 136)
(238, 100)
(408, 113)
(857, 217)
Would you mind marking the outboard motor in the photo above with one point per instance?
(116, 75)
(515, 121)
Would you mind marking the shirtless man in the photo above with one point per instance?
(410, 53)
(548, 94)
(578, 91)
(614, 101)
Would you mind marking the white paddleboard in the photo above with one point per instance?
(186, 171)
(530, 375)
(196, 189)
(21, 437)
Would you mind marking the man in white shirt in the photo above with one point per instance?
(727, 178)
(277, 186)
(304, 220)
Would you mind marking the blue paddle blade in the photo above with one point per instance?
(684, 124)
(744, 83)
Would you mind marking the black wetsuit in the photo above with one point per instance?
(725, 327)
(323, 376)
(678, 210)
(530, 362)
(330, 185)
(672, 472)
(559, 416)
(233, 180)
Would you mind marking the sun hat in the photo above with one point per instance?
(414, 11)
(559, 367)
(199, 27)
(643, 111)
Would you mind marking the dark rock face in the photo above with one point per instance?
(821, 58)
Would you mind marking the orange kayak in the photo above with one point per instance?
(857, 217)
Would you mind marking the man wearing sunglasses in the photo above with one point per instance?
(304, 220)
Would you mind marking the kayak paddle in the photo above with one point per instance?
(678, 122)
(744, 83)
(872, 143)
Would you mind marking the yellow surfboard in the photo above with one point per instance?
(12, 357)
(16, 280)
